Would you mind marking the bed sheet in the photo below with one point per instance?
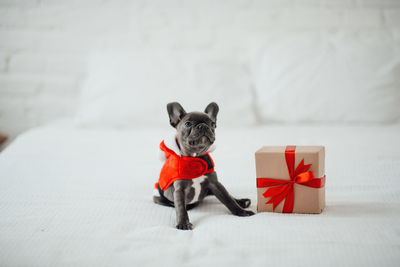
(83, 197)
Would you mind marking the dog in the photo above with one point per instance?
(188, 175)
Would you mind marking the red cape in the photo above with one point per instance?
(181, 167)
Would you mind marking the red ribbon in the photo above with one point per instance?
(283, 189)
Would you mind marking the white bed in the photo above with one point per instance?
(83, 197)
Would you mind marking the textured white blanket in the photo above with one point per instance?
(71, 197)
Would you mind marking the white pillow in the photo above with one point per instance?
(328, 77)
(125, 89)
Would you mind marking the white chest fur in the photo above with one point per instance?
(197, 187)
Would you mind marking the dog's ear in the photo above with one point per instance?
(175, 112)
(212, 111)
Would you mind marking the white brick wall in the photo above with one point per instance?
(44, 45)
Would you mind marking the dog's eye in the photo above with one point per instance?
(213, 124)
(188, 124)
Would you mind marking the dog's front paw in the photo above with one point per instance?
(244, 202)
(244, 213)
(184, 226)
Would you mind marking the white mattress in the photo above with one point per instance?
(75, 197)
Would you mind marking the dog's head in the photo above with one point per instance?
(195, 130)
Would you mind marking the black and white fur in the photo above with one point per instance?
(195, 136)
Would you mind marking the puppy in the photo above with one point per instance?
(188, 175)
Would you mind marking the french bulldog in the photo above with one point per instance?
(195, 134)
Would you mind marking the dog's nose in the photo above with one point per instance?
(201, 126)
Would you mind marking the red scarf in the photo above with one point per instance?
(181, 167)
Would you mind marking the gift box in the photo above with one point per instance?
(291, 179)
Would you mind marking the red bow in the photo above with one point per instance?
(281, 189)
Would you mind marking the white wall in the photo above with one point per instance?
(44, 45)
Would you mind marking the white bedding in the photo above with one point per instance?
(75, 197)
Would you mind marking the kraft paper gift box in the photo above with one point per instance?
(291, 179)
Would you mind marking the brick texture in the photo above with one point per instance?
(44, 45)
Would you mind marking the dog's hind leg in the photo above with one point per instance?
(162, 201)
(243, 202)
